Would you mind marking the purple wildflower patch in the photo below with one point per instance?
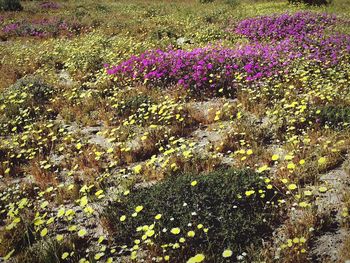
(277, 27)
(40, 28)
(300, 36)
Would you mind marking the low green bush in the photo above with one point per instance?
(23, 103)
(10, 5)
(234, 207)
(133, 104)
(335, 116)
(311, 2)
(51, 251)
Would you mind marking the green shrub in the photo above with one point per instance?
(24, 102)
(231, 2)
(10, 5)
(164, 31)
(218, 202)
(50, 251)
(133, 105)
(335, 116)
(311, 2)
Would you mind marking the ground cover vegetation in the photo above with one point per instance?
(174, 131)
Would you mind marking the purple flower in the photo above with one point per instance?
(291, 38)
(277, 27)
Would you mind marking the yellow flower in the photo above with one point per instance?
(83, 201)
(227, 253)
(43, 232)
(249, 193)
(137, 169)
(322, 189)
(249, 152)
(292, 187)
(65, 255)
(60, 212)
(99, 255)
(78, 146)
(275, 157)
(122, 218)
(291, 166)
(263, 168)
(138, 208)
(197, 258)
(307, 193)
(191, 233)
(81, 232)
(284, 181)
(303, 204)
(150, 233)
(194, 183)
(175, 230)
(322, 160)
(157, 217)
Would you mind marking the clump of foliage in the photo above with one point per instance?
(24, 102)
(10, 5)
(335, 116)
(311, 2)
(232, 206)
(41, 28)
(49, 251)
(133, 104)
(206, 1)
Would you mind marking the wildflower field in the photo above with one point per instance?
(174, 131)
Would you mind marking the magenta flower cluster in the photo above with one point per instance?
(210, 67)
(38, 28)
(327, 51)
(277, 27)
(11, 27)
(216, 67)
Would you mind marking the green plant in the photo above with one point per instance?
(10, 5)
(231, 2)
(311, 2)
(206, 1)
(230, 204)
(335, 116)
(50, 251)
(24, 102)
(133, 104)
